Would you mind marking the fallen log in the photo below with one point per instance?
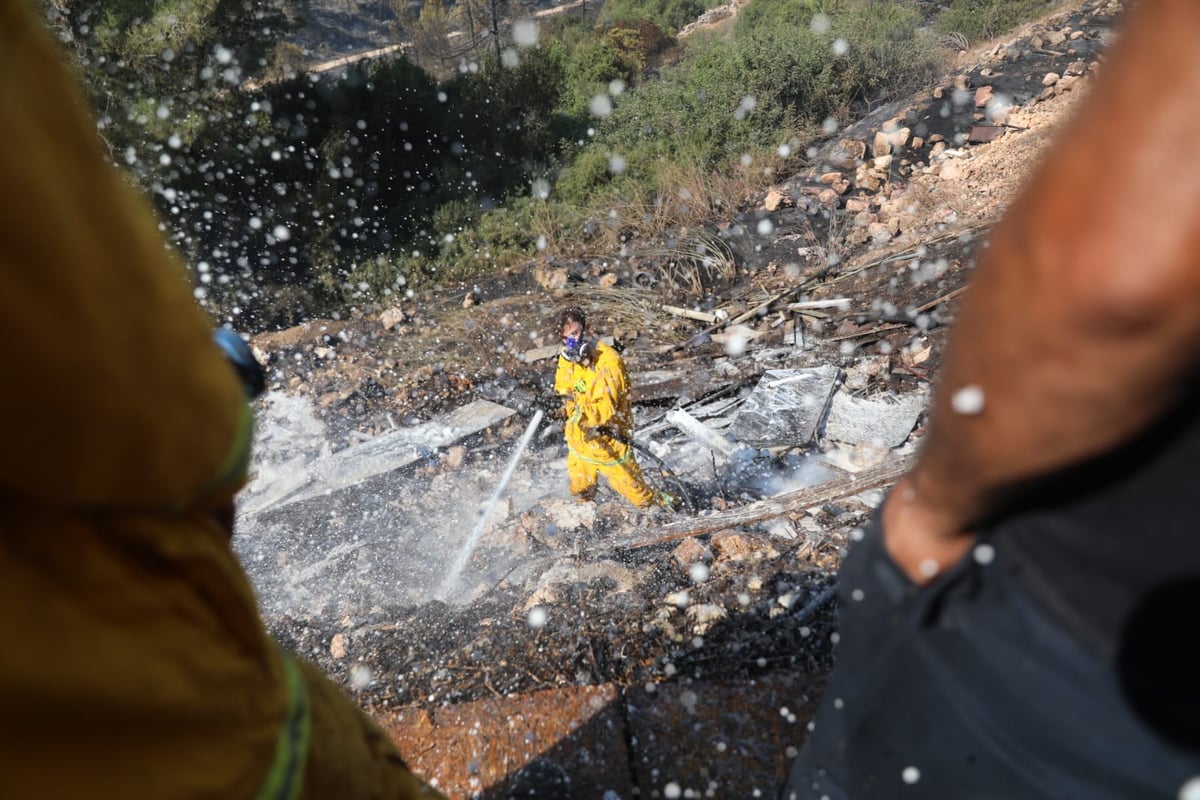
(772, 507)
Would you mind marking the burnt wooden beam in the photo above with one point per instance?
(770, 508)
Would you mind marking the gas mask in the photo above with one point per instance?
(578, 348)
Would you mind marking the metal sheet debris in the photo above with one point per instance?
(885, 421)
(786, 407)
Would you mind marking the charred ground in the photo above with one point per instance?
(899, 245)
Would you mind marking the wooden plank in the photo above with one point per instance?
(738, 332)
(700, 316)
(540, 353)
(921, 309)
(770, 508)
(700, 432)
(841, 303)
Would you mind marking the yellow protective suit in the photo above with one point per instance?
(133, 663)
(597, 400)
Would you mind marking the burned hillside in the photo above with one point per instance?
(782, 360)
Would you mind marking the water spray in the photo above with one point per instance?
(468, 547)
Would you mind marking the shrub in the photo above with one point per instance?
(456, 215)
(637, 42)
(980, 20)
(772, 15)
(668, 14)
(499, 238)
(585, 175)
(590, 69)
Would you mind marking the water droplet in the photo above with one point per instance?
(968, 400)
(525, 33)
(678, 599)
(748, 104)
(360, 676)
(1190, 790)
(600, 105)
(735, 345)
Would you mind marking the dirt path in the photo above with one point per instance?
(350, 59)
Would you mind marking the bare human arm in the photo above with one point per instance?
(1083, 322)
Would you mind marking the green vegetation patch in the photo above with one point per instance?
(667, 14)
(981, 20)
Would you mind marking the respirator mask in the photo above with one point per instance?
(577, 348)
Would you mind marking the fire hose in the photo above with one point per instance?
(675, 485)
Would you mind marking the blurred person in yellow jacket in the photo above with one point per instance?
(134, 662)
(599, 416)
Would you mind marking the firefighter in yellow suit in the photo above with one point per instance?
(133, 662)
(592, 379)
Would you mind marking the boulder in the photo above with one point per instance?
(691, 551)
(847, 153)
(776, 200)
(550, 278)
(392, 317)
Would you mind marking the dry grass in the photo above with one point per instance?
(619, 310)
(678, 196)
(699, 261)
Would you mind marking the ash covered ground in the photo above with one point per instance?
(552, 593)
